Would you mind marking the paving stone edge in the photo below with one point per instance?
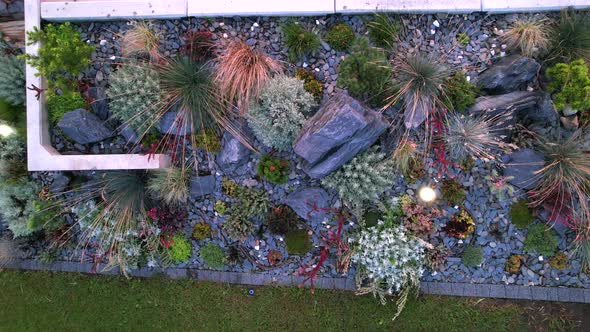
(536, 293)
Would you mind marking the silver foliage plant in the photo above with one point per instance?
(17, 203)
(12, 80)
(281, 112)
(135, 96)
(390, 262)
(478, 137)
(363, 179)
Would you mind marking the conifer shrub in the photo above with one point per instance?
(541, 239)
(281, 112)
(459, 93)
(340, 37)
(180, 248)
(12, 80)
(363, 179)
(570, 85)
(472, 256)
(520, 214)
(213, 255)
(365, 73)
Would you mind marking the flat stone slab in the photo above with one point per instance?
(84, 127)
(202, 185)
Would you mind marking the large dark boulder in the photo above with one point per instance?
(509, 74)
(303, 200)
(171, 125)
(84, 127)
(525, 107)
(233, 153)
(522, 165)
(341, 129)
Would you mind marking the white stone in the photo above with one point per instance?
(113, 57)
(103, 42)
(436, 24)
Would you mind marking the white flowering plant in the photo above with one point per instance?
(389, 262)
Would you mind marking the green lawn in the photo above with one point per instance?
(74, 302)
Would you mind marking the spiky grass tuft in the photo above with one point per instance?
(570, 40)
(170, 185)
(242, 73)
(140, 40)
(530, 35)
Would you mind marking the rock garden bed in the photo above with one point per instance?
(395, 149)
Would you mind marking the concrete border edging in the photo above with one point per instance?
(514, 292)
(41, 156)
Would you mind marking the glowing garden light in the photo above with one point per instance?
(6, 130)
(427, 194)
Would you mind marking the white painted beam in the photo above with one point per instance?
(407, 6)
(259, 7)
(41, 156)
(111, 9)
(511, 6)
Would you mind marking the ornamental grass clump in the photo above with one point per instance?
(530, 36)
(419, 84)
(383, 30)
(405, 157)
(570, 39)
(340, 37)
(281, 111)
(365, 73)
(12, 80)
(171, 185)
(242, 73)
(199, 45)
(363, 179)
(565, 177)
(299, 40)
(569, 84)
(478, 137)
(140, 40)
(389, 262)
(62, 54)
(275, 170)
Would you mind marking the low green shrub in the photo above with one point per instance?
(201, 231)
(472, 256)
(281, 112)
(310, 83)
(62, 54)
(298, 242)
(300, 41)
(463, 38)
(180, 248)
(208, 140)
(251, 203)
(365, 73)
(453, 192)
(559, 261)
(58, 105)
(220, 207)
(459, 93)
(570, 85)
(275, 170)
(213, 255)
(340, 37)
(229, 188)
(541, 239)
(520, 214)
(513, 264)
(12, 80)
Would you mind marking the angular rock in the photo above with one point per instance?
(341, 129)
(84, 127)
(233, 153)
(202, 185)
(59, 184)
(100, 105)
(170, 125)
(516, 102)
(522, 166)
(509, 74)
(302, 200)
